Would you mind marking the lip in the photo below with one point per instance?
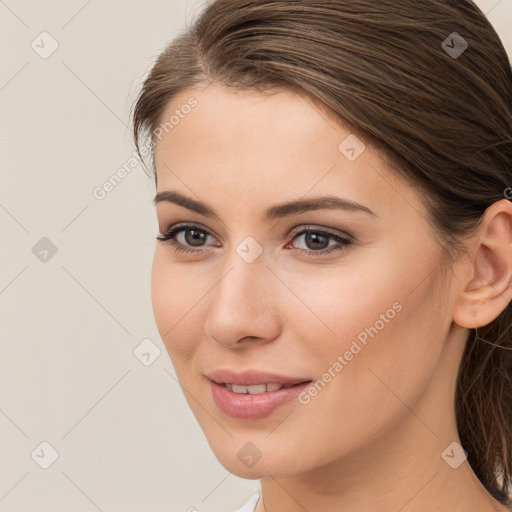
(252, 377)
(252, 407)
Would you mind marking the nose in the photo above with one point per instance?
(243, 305)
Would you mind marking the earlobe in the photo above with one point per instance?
(488, 292)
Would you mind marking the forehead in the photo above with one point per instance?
(240, 117)
(278, 144)
(247, 129)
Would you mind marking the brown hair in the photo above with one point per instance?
(397, 73)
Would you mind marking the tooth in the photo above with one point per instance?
(239, 389)
(257, 389)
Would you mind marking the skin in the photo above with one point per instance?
(372, 439)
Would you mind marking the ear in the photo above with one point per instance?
(487, 289)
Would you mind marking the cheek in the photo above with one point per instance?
(377, 327)
(369, 294)
(175, 302)
(341, 303)
(365, 395)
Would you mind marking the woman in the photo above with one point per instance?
(333, 273)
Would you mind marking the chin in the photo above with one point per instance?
(244, 459)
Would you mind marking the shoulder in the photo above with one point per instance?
(250, 505)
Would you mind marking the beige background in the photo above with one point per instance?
(124, 435)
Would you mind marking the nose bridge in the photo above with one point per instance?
(246, 276)
(241, 303)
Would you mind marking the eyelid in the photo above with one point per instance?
(320, 229)
(344, 240)
(181, 226)
(295, 231)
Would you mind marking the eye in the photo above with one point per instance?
(319, 240)
(190, 234)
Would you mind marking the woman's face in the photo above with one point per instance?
(360, 317)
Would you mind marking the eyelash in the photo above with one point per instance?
(169, 238)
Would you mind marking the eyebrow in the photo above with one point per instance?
(274, 212)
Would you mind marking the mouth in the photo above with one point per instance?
(254, 382)
(254, 402)
(258, 389)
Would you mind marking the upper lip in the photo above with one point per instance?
(252, 377)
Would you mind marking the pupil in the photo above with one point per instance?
(314, 237)
(198, 236)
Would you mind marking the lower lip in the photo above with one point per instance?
(245, 406)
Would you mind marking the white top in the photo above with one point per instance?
(250, 506)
